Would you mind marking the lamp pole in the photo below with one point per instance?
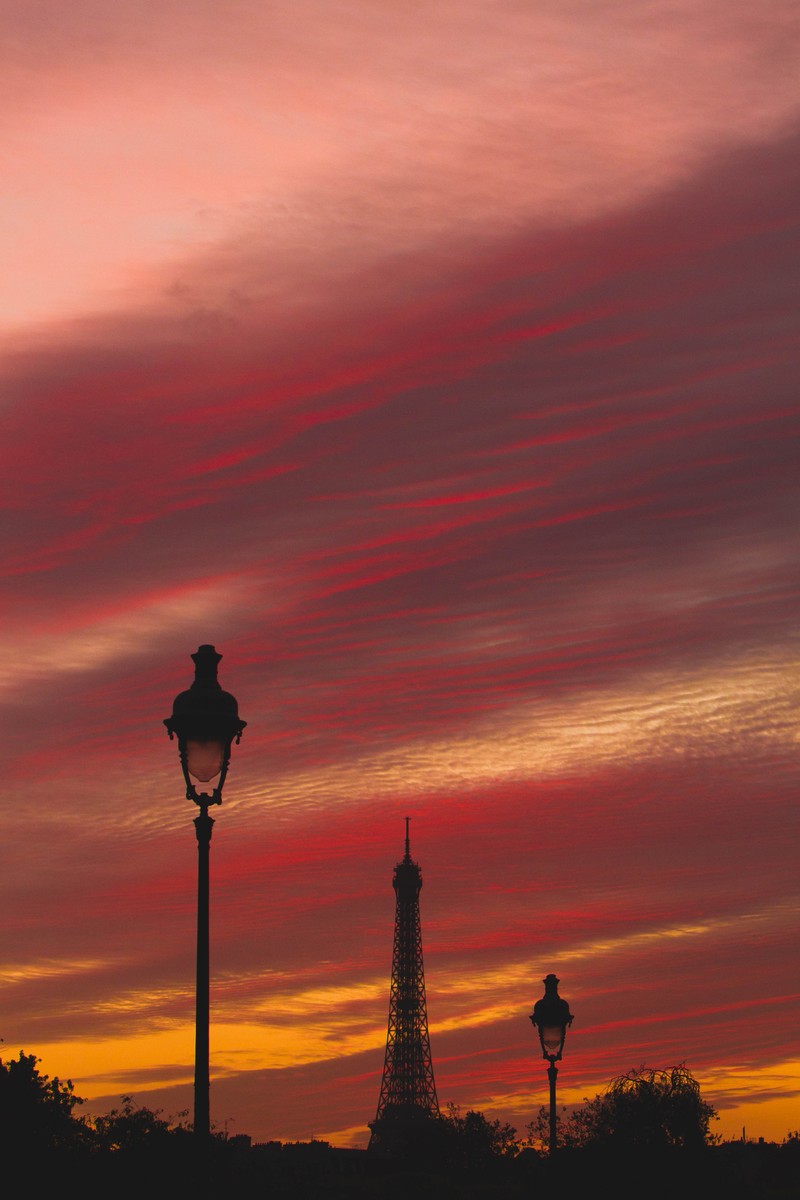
(551, 1017)
(206, 722)
(552, 1074)
(203, 824)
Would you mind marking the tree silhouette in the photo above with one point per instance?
(473, 1142)
(644, 1109)
(134, 1129)
(36, 1112)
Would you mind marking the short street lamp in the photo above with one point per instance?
(551, 1016)
(206, 722)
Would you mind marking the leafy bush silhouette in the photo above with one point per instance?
(474, 1141)
(36, 1112)
(644, 1109)
(133, 1129)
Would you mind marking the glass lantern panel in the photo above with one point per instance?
(552, 1037)
(204, 759)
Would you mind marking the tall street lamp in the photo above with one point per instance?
(551, 1016)
(206, 722)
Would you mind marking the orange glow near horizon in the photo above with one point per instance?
(744, 1100)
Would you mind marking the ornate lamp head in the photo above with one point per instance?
(206, 722)
(552, 1017)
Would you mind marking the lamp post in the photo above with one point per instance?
(206, 722)
(551, 1016)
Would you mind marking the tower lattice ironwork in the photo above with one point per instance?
(408, 1091)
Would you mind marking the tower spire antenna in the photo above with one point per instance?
(408, 1092)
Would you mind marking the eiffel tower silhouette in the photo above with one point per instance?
(408, 1093)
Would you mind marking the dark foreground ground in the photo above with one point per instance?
(731, 1171)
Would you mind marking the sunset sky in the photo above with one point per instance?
(438, 364)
